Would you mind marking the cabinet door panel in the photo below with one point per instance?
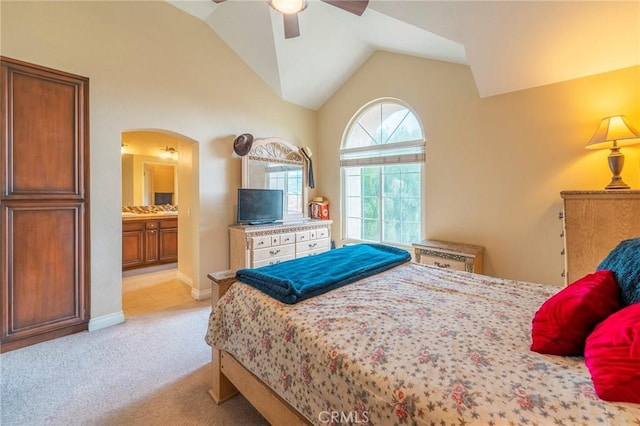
(168, 245)
(46, 144)
(132, 248)
(44, 277)
(151, 246)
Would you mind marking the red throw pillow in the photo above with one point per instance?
(612, 355)
(563, 322)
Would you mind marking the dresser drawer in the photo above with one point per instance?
(312, 252)
(312, 245)
(168, 223)
(272, 261)
(261, 242)
(322, 233)
(302, 236)
(132, 226)
(273, 252)
(440, 262)
(449, 255)
(288, 238)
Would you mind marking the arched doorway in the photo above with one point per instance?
(157, 179)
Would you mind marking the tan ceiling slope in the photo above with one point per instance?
(509, 45)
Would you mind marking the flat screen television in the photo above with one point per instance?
(258, 206)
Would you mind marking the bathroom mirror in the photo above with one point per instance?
(274, 163)
(148, 181)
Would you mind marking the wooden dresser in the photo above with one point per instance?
(447, 255)
(252, 246)
(594, 223)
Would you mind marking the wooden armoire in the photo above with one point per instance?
(44, 204)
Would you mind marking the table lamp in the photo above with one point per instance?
(614, 132)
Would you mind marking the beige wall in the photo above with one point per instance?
(495, 166)
(494, 170)
(152, 66)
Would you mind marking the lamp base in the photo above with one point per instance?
(617, 183)
(616, 161)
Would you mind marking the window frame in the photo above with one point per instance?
(416, 157)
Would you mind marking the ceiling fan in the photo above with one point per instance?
(291, 8)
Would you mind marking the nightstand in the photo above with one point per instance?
(594, 223)
(447, 255)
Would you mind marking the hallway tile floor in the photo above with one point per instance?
(153, 292)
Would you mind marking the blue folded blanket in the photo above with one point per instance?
(305, 277)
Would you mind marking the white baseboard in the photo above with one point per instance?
(195, 293)
(105, 321)
(201, 294)
(185, 278)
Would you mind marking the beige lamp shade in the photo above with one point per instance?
(614, 131)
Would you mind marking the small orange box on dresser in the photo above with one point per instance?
(319, 208)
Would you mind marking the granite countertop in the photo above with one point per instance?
(133, 216)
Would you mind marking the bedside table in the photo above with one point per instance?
(447, 255)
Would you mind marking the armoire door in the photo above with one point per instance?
(44, 204)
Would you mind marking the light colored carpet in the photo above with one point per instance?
(151, 370)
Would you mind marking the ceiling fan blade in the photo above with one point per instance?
(291, 25)
(354, 6)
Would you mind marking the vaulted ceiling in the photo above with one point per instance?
(508, 45)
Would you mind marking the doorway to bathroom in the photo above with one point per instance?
(157, 174)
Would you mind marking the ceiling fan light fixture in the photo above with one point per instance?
(288, 7)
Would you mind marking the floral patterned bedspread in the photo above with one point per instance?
(413, 345)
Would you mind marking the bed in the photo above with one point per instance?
(411, 345)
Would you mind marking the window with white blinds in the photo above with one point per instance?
(382, 157)
(393, 153)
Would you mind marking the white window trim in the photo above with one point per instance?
(417, 155)
(383, 147)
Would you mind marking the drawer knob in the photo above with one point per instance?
(274, 252)
(442, 265)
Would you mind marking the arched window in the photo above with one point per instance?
(381, 158)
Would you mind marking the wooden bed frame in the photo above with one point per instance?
(229, 377)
